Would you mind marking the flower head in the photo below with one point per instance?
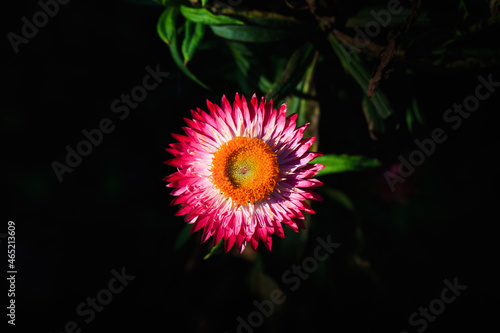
(243, 172)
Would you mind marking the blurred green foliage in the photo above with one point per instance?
(275, 49)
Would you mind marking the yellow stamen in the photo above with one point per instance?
(245, 170)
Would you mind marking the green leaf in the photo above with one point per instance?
(354, 65)
(204, 2)
(248, 33)
(216, 249)
(294, 71)
(166, 30)
(204, 16)
(342, 163)
(193, 35)
(166, 24)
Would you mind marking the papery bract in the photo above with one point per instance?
(243, 172)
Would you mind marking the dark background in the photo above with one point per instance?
(113, 211)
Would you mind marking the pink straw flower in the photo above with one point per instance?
(243, 172)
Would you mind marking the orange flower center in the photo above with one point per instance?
(245, 169)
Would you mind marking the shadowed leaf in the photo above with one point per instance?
(241, 56)
(369, 14)
(267, 19)
(414, 116)
(307, 105)
(182, 236)
(354, 65)
(252, 34)
(294, 71)
(373, 119)
(339, 197)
